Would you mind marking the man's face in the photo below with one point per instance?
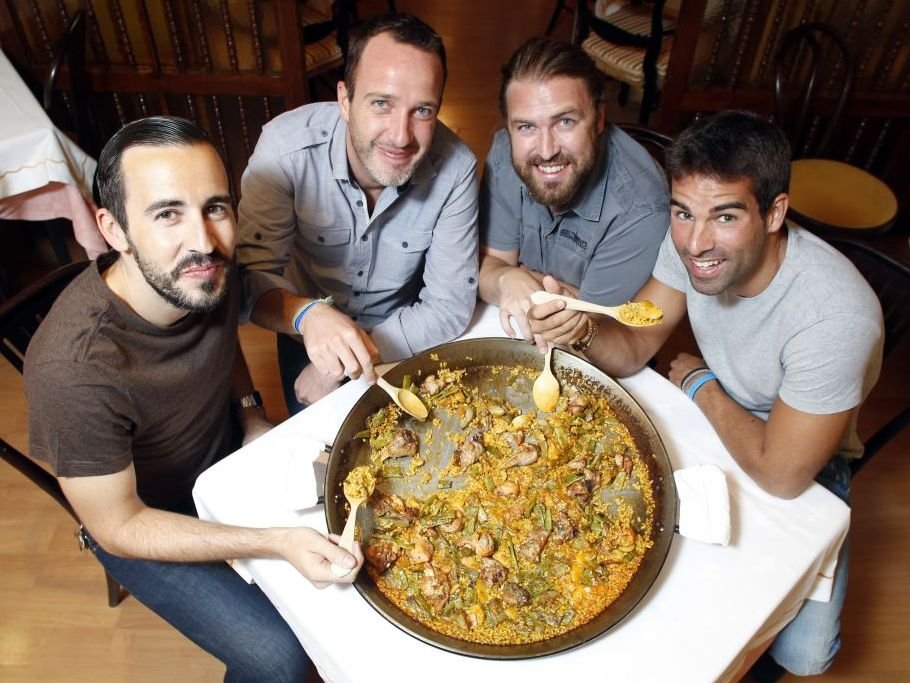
(554, 127)
(391, 115)
(181, 228)
(720, 235)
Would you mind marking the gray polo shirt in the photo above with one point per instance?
(408, 273)
(606, 244)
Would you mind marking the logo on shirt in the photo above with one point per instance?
(571, 235)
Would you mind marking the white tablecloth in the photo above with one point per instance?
(709, 606)
(43, 174)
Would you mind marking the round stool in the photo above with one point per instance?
(833, 196)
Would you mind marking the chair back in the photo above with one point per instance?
(656, 143)
(809, 54)
(890, 280)
(19, 320)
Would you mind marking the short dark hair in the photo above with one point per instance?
(732, 145)
(154, 131)
(541, 59)
(405, 29)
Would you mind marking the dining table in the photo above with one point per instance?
(43, 173)
(709, 614)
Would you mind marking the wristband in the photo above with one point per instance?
(691, 374)
(302, 311)
(698, 383)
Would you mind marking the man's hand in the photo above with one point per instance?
(311, 385)
(551, 323)
(337, 346)
(312, 554)
(254, 425)
(516, 285)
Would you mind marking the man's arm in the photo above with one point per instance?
(618, 349)
(111, 510)
(445, 303)
(782, 455)
(252, 420)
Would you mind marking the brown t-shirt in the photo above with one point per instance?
(106, 388)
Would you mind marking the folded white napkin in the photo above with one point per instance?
(307, 461)
(704, 504)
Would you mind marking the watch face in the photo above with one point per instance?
(251, 400)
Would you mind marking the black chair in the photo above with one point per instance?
(891, 281)
(826, 195)
(19, 319)
(656, 143)
(631, 45)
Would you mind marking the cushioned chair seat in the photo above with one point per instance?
(324, 54)
(625, 63)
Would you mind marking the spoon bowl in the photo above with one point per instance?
(405, 399)
(633, 314)
(358, 486)
(546, 387)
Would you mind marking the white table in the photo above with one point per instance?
(43, 174)
(709, 608)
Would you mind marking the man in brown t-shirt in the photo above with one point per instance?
(130, 382)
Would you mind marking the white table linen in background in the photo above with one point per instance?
(37, 161)
(708, 607)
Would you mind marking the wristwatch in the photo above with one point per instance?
(250, 400)
(582, 343)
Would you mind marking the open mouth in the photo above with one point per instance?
(702, 267)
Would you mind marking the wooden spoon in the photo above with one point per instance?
(633, 314)
(358, 486)
(405, 399)
(546, 388)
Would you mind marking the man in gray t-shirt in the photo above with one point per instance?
(564, 194)
(789, 332)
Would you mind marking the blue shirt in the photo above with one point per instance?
(408, 272)
(606, 243)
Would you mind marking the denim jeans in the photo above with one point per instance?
(292, 359)
(211, 605)
(809, 643)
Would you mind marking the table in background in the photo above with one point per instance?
(43, 174)
(706, 612)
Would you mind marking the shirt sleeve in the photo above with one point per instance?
(623, 263)
(80, 420)
(267, 222)
(446, 301)
(500, 202)
(668, 268)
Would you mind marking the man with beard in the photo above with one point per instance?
(358, 219)
(564, 193)
(131, 381)
(771, 307)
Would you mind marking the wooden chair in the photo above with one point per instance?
(890, 280)
(632, 46)
(826, 196)
(19, 319)
(656, 143)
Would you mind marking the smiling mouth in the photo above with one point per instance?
(705, 266)
(550, 169)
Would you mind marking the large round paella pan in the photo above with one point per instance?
(496, 375)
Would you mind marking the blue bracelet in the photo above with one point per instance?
(698, 383)
(302, 311)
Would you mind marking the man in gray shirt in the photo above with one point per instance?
(370, 201)
(564, 194)
(789, 332)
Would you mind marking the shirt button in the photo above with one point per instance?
(324, 133)
(470, 281)
(404, 244)
(356, 293)
(359, 273)
(320, 238)
(258, 235)
(353, 317)
(364, 238)
(359, 202)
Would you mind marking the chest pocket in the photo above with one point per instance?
(326, 246)
(402, 256)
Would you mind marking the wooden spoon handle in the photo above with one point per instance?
(542, 297)
(347, 538)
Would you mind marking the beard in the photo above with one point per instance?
(558, 195)
(384, 175)
(205, 299)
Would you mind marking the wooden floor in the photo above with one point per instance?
(54, 621)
